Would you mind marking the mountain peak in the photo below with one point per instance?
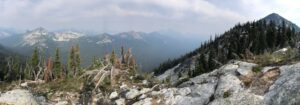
(274, 14)
(277, 19)
(39, 29)
(274, 17)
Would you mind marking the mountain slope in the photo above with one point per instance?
(238, 43)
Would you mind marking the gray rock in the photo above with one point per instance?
(194, 95)
(201, 79)
(245, 68)
(202, 93)
(62, 103)
(242, 98)
(120, 101)
(146, 101)
(184, 91)
(18, 97)
(186, 100)
(25, 84)
(228, 83)
(132, 93)
(266, 69)
(226, 69)
(145, 90)
(113, 95)
(143, 96)
(41, 100)
(145, 82)
(286, 89)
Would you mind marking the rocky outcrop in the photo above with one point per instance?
(232, 84)
(17, 97)
(236, 84)
(286, 89)
(242, 98)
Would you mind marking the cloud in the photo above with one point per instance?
(204, 17)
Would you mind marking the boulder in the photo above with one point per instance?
(286, 89)
(145, 90)
(142, 96)
(146, 101)
(132, 93)
(194, 95)
(226, 69)
(266, 69)
(186, 100)
(242, 98)
(228, 83)
(201, 79)
(245, 68)
(145, 82)
(184, 91)
(120, 101)
(18, 97)
(62, 103)
(113, 95)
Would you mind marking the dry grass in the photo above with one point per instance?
(69, 85)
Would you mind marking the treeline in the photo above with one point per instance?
(39, 67)
(252, 37)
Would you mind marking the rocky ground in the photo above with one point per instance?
(236, 83)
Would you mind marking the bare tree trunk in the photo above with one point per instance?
(39, 72)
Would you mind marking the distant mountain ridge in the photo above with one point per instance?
(156, 46)
(279, 19)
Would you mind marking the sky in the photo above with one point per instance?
(197, 17)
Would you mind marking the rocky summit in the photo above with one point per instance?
(235, 83)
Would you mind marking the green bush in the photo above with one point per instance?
(257, 69)
(226, 94)
(70, 84)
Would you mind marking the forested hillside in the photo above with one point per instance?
(254, 37)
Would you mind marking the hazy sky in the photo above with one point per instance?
(203, 17)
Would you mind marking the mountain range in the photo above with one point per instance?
(150, 48)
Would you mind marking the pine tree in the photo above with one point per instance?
(203, 62)
(57, 64)
(271, 35)
(122, 55)
(199, 68)
(211, 62)
(35, 60)
(127, 57)
(71, 63)
(113, 57)
(77, 60)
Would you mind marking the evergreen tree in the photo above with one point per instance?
(113, 57)
(211, 62)
(203, 62)
(57, 67)
(71, 63)
(77, 60)
(199, 68)
(123, 55)
(35, 61)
